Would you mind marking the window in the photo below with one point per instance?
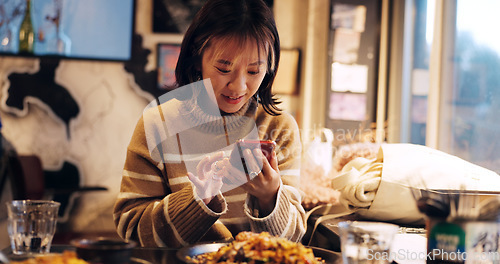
(445, 86)
(470, 93)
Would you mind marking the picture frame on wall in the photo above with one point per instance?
(168, 54)
(287, 77)
(174, 16)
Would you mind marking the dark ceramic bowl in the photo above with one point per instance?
(104, 250)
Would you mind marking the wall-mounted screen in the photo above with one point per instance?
(82, 29)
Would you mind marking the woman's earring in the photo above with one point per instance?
(257, 99)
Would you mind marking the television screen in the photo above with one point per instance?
(84, 29)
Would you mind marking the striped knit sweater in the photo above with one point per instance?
(157, 206)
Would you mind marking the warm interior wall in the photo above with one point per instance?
(304, 24)
(315, 69)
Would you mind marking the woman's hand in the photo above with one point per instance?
(264, 186)
(208, 181)
(262, 181)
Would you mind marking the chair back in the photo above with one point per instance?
(27, 176)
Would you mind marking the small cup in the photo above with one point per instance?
(366, 242)
(104, 250)
(31, 225)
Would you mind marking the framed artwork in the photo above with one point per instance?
(348, 106)
(286, 81)
(175, 16)
(168, 53)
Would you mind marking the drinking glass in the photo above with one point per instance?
(31, 225)
(366, 242)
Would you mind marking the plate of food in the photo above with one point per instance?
(66, 256)
(251, 247)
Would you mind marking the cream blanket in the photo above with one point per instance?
(359, 181)
(379, 188)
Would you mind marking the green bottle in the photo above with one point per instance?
(26, 32)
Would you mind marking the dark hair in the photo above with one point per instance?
(240, 19)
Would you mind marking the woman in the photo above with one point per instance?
(172, 193)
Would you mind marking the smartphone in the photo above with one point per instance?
(267, 147)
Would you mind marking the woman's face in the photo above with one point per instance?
(235, 72)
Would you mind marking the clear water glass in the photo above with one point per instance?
(366, 242)
(31, 225)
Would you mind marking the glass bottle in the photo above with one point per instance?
(26, 32)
